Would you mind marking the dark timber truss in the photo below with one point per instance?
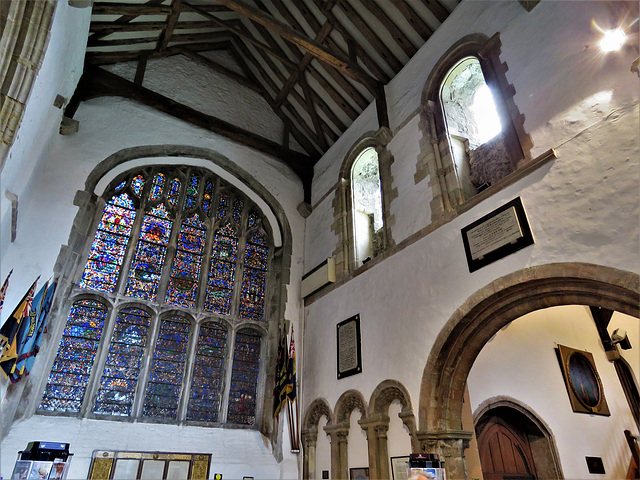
(317, 63)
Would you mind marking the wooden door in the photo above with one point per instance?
(504, 453)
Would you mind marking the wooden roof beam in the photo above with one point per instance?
(336, 60)
(248, 38)
(97, 82)
(172, 19)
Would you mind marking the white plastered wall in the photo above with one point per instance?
(582, 207)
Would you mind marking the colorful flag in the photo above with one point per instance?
(42, 328)
(279, 391)
(9, 330)
(3, 290)
(26, 335)
(291, 384)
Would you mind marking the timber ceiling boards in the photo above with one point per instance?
(318, 63)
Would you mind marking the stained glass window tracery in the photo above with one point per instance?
(198, 246)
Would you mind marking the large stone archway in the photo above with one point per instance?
(481, 316)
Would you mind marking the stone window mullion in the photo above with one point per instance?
(99, 362)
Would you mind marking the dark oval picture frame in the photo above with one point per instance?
(582, 380)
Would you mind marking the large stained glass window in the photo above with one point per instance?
(182, 259)
(244, 379)
(72, 367)
(122, 369)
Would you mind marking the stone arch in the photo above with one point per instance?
(482, 315)
(318, 408)
(386, 392)
(377, 424)
(545, 450)
(348, 402)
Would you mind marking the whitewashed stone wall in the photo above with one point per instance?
(582, 207)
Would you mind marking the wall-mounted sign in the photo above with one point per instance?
(348, 339)
(583, 382)
(496, 235)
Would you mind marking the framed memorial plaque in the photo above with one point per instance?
(348, 347)
(496, 235)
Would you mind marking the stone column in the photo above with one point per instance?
(372, 447)
(450, 446)
(309, 442)
(339, 460)
(409, 421)
(383, 452)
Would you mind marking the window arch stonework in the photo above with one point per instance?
(71, 265)
(448, 173)
(344, 218)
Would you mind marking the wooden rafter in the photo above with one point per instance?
(216, 21)
(334, 59)
(172, 19)
(437, 9)
(371, 36)
(98, 82)
(413, 18)
(398, 35)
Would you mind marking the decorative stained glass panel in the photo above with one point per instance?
(146, 268)
(223, 206)
(121, 371)
(137, 184)
(237, 210)
(254, 278)
(174, 192)
(207, 198)
(165, 378)
(244, 378)
(208, 372)
(191, 197)
(109, 245)
(157, 186)
(222, 270)
(72, 367)
(185, 272)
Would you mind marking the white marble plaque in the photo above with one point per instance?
(499, 230)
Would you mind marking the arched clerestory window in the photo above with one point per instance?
(169, 314)
(472, 122)
(366, 205)
(361, 209)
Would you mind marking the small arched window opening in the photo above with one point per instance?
(367, 206)
(474, 130)
(184, 258)
(473, 127)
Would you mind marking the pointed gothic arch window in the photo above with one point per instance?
(181, 241)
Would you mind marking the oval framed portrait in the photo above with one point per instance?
(582, 380)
